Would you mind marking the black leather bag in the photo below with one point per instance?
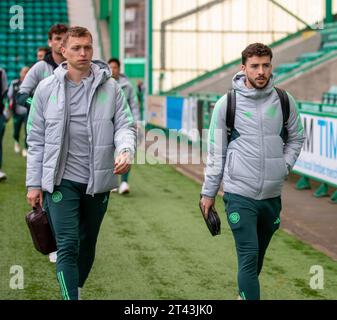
(213, 221)
(40, 231)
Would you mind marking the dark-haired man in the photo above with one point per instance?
(45, 67)
(253, 163)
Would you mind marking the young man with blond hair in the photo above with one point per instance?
(81, 134)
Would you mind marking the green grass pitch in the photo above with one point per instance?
(153, 244)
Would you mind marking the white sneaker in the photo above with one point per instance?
(124, 188)
(114, 190)
(16, 147)
(2, 175)
(24, 153)
(53, 256)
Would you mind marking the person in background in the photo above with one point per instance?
(43, 68)
(131, 98)
(140, 96)
(41, 52)
(19, 112)
(3, 91)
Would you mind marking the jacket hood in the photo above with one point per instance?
(122, 80)
(99, 68)
(49, 59)
(238, 84)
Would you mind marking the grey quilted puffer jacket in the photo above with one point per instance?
(111, 129)
(256, 162)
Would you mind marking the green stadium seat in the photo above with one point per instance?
(329, 46)
(332, 29)
(12, 37)
(18, 47)
(330, 97)
(31, 58)
(11, 59)
(30, 37)
(31, 55)
(22, 60)
(328, 25)
(11, 43)
(286, 67)
(11, 75)
(12, 64)
(39, 23)
(332, 37)
(40, 36)
(29, 30)
(325, 33)
(11, 51)
(309, 56)
(21, 37)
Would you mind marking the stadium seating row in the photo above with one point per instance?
(330, 97)
(328, 44)
(18, 46)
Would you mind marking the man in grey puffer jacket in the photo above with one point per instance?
(43, 68)
(79, 120)
(253, 164)
(131, 98)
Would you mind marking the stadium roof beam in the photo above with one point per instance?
(148, 44)
(290, 13)
(328, 11)
(167, 22)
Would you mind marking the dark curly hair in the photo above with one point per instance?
(256, 49)
(57, 29)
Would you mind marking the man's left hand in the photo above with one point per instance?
(122, 163)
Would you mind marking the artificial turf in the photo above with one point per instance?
(153, 244)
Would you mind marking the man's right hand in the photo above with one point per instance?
(34, 196)
(205, 204)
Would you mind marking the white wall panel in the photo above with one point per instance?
(208, 39)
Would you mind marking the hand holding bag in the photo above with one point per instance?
(213, 221)
(40, 230)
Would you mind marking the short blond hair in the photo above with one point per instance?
(77, 32)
